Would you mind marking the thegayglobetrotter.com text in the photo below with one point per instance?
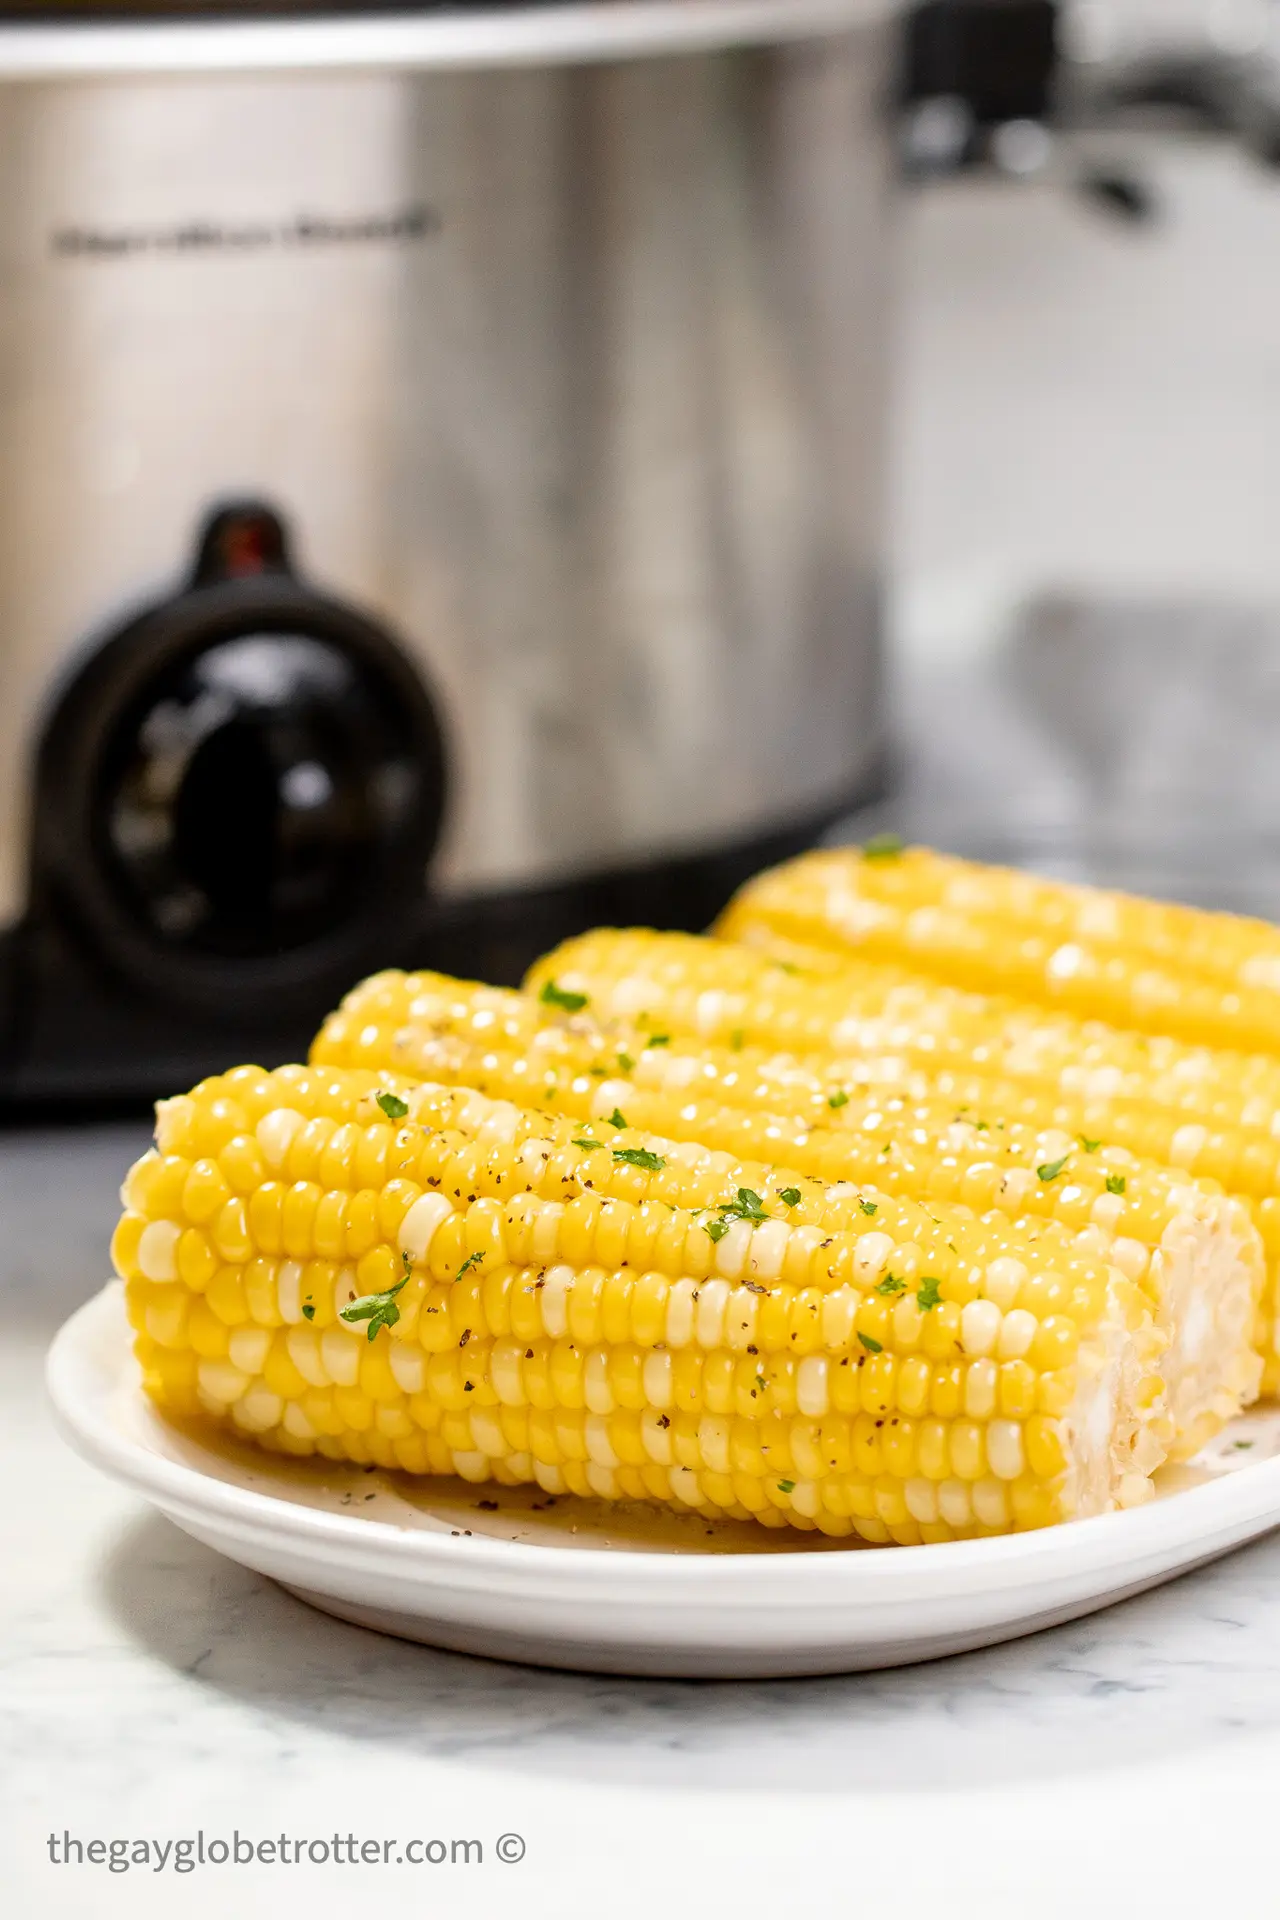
(190, 1852)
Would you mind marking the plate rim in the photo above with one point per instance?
(948, 1568)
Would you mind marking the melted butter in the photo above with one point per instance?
(442, 1505)
(526, 1514)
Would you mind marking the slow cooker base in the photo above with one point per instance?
(76, 1037)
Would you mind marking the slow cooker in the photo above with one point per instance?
(441, 463)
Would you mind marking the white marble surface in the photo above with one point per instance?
(148, 1689)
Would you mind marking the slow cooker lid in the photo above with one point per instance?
(85, 39)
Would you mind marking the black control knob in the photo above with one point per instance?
(241, 791)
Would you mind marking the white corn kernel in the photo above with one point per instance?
(274, 1134)
(1107, 1211)
(248, 1348)
(680, 1312)
(258, 1410)
(408, 1367)
(990, 1502)
(1004, 1449)
(303, 1347)
(500, 1125)
(805, 1499)
(546, 1231)
(871, 1255)
(979, 1327)
(656, 1379)
(1018, 1184)
(602, 1481)
(921, 1497)
(471, 1465)
(289, 1291)
(732, 1249)
(768, 1245)
(953, 1503)
(812, 1391)
(684, 1486)
(595, 1435)
(596, 1390)
(157, 1250)
(296, 1422)
(1002, 1280)
(220, 1382)
(166, 1318)
(486, 1431)
(1187, 1144)
(1017, 1330)
(709, 1011)
(713, 1298)
(1130, 1256)
(340, 1355)
(420, 1224)
(553, 1297)
(393, 1421)
(981, 1378)
(713, 1441)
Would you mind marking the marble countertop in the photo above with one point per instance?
(149, 1689)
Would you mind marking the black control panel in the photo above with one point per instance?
(237, 797)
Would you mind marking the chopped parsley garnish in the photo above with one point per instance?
(1090, 1146)
(1241, 1445)
(747, 1206)
(658, 1040)
(838, 1100)
(617, 1119)
(738, 1039)
(872, 1346)
(786, 1486)
(554, 996)
(308, 1311)
(884, 846)
(393, 1106)
(640, 1157)
(891, 1285)
(472, 1260)
(625, 1063)
(789, 1196)
(379, 1309)
(929, 1295)
(1052, 1168)
(1115, 1183)
(588, 1146)
(867, 1206)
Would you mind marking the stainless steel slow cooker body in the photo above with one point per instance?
(441, 466)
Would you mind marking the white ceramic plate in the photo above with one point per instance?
(571, 1584)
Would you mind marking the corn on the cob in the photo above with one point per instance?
(722, 991)
(1126, 1088)
(1194, 1250)
(1205, 977)
(896, 1376)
